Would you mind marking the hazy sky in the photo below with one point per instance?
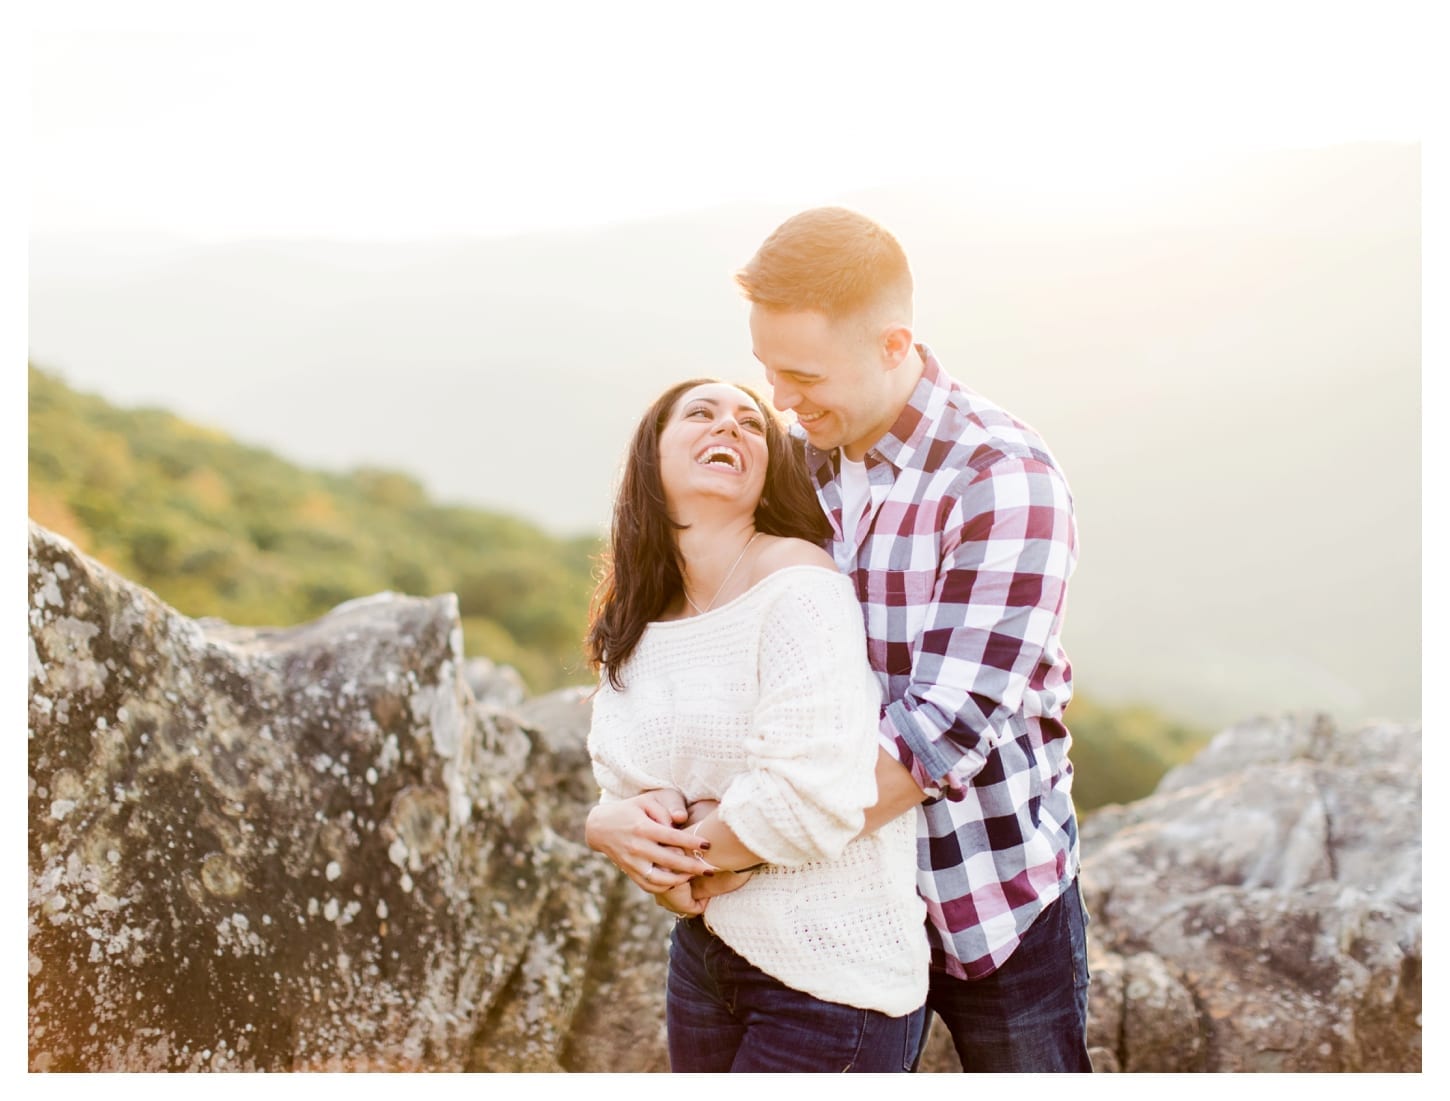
(329, 123)
(219, 121)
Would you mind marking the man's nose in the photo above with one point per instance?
(783, 398)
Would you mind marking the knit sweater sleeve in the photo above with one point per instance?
(612, 786)
(609, 728)
(811, 751)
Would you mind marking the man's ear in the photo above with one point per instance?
(896, 344)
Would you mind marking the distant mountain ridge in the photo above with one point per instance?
(1228, 368)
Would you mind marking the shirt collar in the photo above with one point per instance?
(904, 438)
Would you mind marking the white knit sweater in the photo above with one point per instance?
(767, 704)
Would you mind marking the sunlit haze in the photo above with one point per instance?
(1150, 236)
(550, 116)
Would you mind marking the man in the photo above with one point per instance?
(957, 528)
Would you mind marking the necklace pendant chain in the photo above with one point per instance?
(728, 575)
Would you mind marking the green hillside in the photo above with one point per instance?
(217, 528)
(1120, 753)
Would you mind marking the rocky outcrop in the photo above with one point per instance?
(1261, 910)
(321, 848)
(286, 849)
(494, 686)
(615, 962)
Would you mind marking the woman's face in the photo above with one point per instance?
(713, 446)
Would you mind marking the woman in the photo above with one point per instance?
(735, 674)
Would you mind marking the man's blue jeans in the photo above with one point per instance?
(725, 1014)
(1030, 1015)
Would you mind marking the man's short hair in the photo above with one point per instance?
(831, 260)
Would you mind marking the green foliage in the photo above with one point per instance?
(1120, 753)
(216, 528)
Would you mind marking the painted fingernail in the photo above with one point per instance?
(704, 844)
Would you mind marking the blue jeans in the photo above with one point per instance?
(725, 1014)
(1029, 1015)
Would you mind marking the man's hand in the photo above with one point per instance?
(896, 793)
(679, 900)
(641, 836)
(699, 810)
(703, 888)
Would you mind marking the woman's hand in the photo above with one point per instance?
(642, 838)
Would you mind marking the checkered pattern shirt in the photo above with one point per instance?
(961, 561)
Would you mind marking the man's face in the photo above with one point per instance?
(830, 374)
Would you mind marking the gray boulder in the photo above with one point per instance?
(289, 849)
(1261, 910)
(493, 685)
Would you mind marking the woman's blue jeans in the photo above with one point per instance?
(725, 1014)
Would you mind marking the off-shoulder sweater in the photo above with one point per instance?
(768, 705)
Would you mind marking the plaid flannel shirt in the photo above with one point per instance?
(961, 563)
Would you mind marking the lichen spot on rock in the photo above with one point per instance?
(222, 877)
(419, 819)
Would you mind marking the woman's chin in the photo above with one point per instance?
(717, 500)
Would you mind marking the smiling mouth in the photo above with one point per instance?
(809, 418)
(727, 457)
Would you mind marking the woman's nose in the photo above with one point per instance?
(725, 423)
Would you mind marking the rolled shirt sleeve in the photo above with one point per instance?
(1008, 547)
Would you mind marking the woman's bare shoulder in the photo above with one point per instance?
(780, 552)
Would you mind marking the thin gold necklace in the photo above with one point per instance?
(731, 573)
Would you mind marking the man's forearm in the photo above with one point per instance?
(726, 851)
(896, 792)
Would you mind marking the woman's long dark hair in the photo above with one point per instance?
(641, 572)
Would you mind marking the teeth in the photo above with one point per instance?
(730, 456)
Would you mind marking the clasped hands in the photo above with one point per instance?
(651, 839)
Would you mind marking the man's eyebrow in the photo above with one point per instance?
(798, 372)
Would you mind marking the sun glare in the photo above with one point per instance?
(218, 135)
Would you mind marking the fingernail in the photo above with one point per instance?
(708, 872)
(704, 844)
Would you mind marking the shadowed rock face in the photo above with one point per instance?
(314, 848)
